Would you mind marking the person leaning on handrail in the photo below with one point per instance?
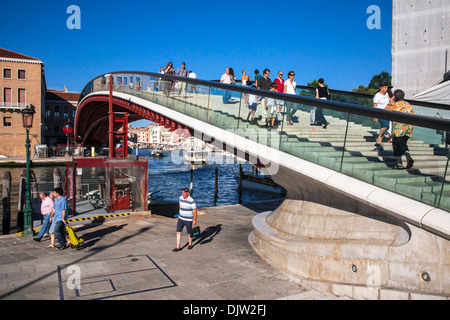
(289, 87)
(169, 70)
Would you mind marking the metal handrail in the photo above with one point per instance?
(413, 119)
(369, 96)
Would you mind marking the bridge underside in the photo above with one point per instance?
(92, 121)
(331, 228)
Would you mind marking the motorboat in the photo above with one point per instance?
(157, 153)
(260, 182)
(157, 204)
(196, 156)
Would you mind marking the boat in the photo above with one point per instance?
(260, 182)
(157, 153)
(157, 204)
(196, 156)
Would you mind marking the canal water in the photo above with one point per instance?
(168, 175)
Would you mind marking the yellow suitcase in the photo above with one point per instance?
(75, 241)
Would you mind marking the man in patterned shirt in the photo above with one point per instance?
(401, 131)
(187, 217)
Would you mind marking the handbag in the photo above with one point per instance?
(195, 231)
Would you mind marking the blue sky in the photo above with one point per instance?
(328, 39)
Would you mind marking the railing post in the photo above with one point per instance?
(111, 120)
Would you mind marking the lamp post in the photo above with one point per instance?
(68, 130)
(27, 119)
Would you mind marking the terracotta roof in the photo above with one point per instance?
(61, 95)
(14, 55)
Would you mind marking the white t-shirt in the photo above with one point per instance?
(381, 100)
(252, 99)
(226, 78)
(290, 87)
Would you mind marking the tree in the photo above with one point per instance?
(315, 84)
(367, 90)
(378, 79)
(374, 84)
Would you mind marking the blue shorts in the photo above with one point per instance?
(253, 107)
(181, 223)
(384, 123)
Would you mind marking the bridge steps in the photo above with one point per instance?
(361, 158)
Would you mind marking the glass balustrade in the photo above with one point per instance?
(347, 144)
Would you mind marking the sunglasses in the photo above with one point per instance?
(291, 75)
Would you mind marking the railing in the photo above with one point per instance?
(346, 145)
(12, 105)
(69, 150)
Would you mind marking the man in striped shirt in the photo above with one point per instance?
(187, 217)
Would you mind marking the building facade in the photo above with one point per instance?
(60, 107)
(22, 83)
(420, 49)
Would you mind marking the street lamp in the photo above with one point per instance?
(27, 120)
(68, 130)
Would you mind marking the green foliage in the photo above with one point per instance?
(315, 84)
(374, 84)
(378, 79)
(367, 90)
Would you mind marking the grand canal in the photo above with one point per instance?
(168, 175)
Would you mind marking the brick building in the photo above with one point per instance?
(22, 83)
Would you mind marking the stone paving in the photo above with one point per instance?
(132, 258)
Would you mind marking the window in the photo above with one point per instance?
(66, 113)
(7, 74)
(56, 115)
(7, 96)
(21, 96)
(7, 121)
(47, 112)
(21, 74)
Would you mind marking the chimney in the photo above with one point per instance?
(65, 89)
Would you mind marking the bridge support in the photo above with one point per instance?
(330, 246)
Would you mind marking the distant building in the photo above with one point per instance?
(22, 83)
(60, 106)
(155, 134)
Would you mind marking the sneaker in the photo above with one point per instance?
(190, 247)
(176, 249)
(37, 239)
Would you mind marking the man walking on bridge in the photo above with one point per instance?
(182, 72)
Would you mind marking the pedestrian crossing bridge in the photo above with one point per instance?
(346, 206)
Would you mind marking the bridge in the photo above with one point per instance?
(349, 216)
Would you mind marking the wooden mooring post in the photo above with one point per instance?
(216, 185)
(6, 220)
(240, 183)
(191, 186)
